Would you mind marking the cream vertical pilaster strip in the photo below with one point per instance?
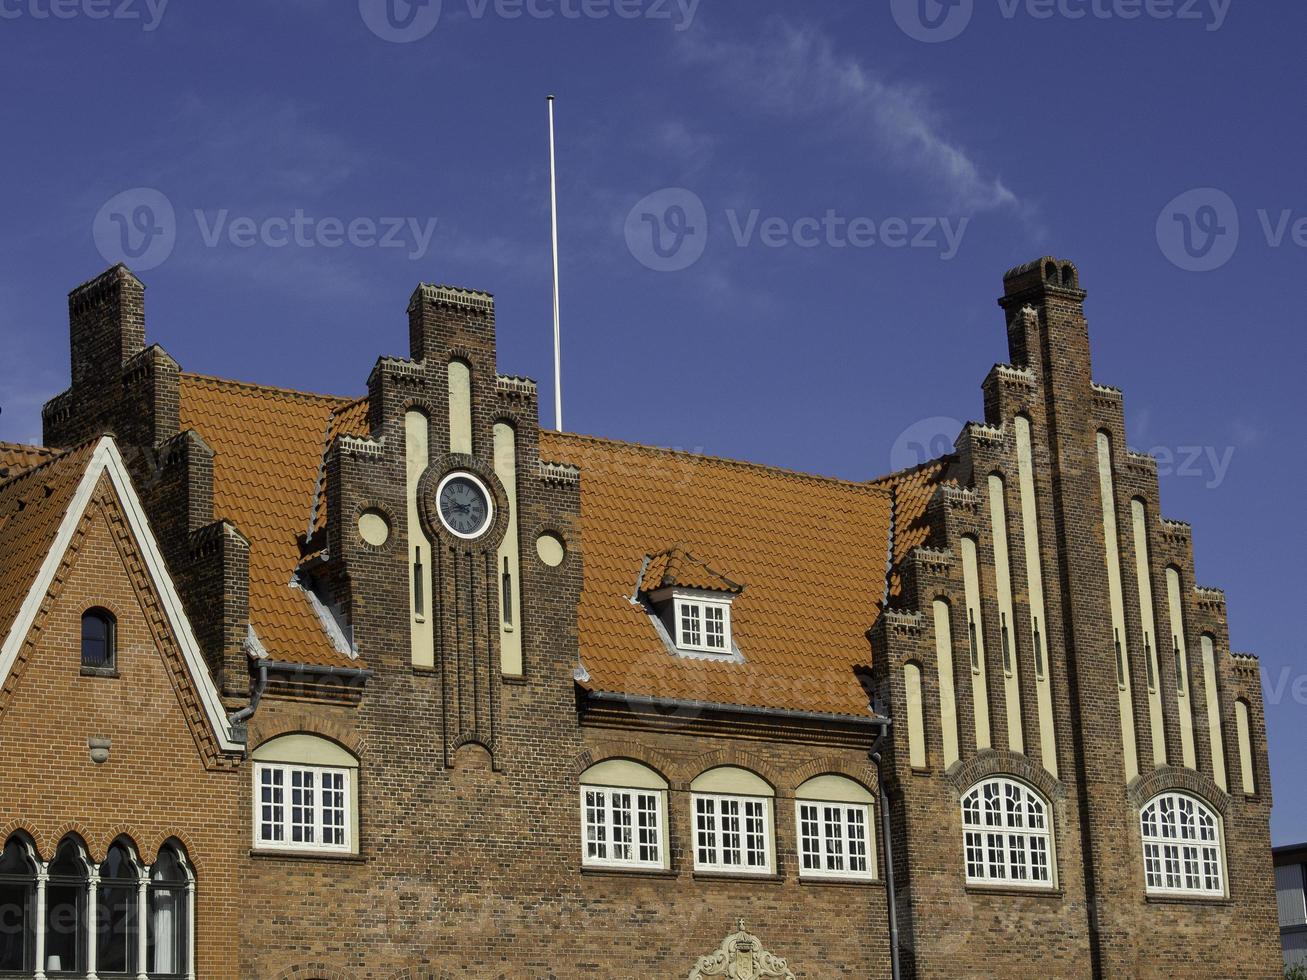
(1040, 650)
(1179, 650)
(1118, 642)
(1213, 712)
(976, 642)
(1144, 578)
(948, 702)
(420, 557)
(1007, 618)
(508, 572)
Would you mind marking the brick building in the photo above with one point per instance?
(403, 686)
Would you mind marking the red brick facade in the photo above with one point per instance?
(467, 856)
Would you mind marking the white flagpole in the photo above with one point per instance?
(553, 208)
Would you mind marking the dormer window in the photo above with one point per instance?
(702, 625)
(690, 602)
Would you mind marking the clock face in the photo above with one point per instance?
(465, 507)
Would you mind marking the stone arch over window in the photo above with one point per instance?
(1184, 846)
(633, 751)
(726, 758)
(305, 795)
(1007, 834)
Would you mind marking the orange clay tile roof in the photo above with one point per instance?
(810, 551)
(32, 506)
(678, 568)
(912, 492)
(347, 419)
(267, 445)
(14, 458)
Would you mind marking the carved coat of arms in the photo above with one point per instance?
(741, 957)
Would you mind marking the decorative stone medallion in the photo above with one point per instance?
(741, 957)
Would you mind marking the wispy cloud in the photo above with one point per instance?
(795, 73)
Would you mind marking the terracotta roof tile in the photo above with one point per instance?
(810, 550)
(678, 568)
(14, 458)
(912, 492)
(267, 447)
(32, 506)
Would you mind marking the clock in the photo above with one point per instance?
(465, 505)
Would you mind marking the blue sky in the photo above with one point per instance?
(337, 156)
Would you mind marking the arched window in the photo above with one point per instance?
(836, 835)
(305, 795)
(65, 910)
(117, 914)
(98, 640)
(623, 816)
(17, 907)
(732, 822)
(1182, 847)
(169, 910)
(1007, 835)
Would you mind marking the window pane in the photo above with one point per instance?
(167, 930)
(272, 812)
(715, 626)
(691, 629)
(17, 925)
(97, 639)
(301, 806)
(115, 929)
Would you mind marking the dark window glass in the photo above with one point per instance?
(17, 909)
(97, 639)
(65, 913)
(116, 914)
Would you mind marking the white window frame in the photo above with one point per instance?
(704, 607)
(1184, 851)
(288, 769)
(1015, 843)
(609, 826)
(718, 836)
(826, 848)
